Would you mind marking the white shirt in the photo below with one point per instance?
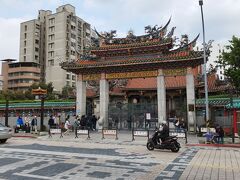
(67, 123)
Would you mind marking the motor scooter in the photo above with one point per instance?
(169, 143)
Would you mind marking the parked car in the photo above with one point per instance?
(5, 133)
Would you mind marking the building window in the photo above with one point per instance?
(52, 29)
(25, 43)
(73, 84)
(51, 45)
(73, 77)
(25, 27)
(52, 21)
(37, 26)
(36, 49)
(73, 27)
(24, 50)
(36, 57)
(51, 62)
(68, 76)
(51, 54)
(24, 58)
(68, 83)
(51, 37)
(25, 35)
(36, 41)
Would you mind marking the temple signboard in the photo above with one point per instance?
(128, 75)
(136, 74)
(91, 77)
(175, 72)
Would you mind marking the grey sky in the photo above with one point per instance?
(221, 18)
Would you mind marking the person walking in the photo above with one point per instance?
(94, 122)
(220, 135)
(67, 127)
(34, 124)
(76, 122)
(27, 128)
(51, 122)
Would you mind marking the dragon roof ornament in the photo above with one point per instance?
(154, 32)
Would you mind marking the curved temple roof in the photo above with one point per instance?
(152, 51)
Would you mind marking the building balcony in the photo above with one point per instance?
(24, 69)
(30, 77)
(19, 85)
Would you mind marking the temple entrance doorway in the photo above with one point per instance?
(130, 116)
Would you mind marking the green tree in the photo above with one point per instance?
(67, 92)
(230, 60)
(8, 94)
(19, 95)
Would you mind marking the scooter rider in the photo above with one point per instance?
(164, 133)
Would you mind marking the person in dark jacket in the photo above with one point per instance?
(94, 122)
(34, 124)
(83, 122)
(51, 122)
(220, 137)
(164, 133)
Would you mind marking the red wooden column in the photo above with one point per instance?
(235, 121)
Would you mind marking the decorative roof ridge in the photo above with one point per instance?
(140, 44)
(190, 45)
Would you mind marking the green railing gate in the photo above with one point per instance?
(125, 116)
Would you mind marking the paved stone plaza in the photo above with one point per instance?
(69, 158)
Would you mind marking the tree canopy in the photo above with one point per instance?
(67, 92)
(230, 61)
(27, 95)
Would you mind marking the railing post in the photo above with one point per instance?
(233, 136)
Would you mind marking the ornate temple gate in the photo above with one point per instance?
(149, 55)
(131, 111)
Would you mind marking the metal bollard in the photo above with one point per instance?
(233, 138)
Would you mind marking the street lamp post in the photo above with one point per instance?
(40, 92)
(205, 68)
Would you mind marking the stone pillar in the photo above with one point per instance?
(104, 100)
(191, 115)
(161, 94)
(81, 96)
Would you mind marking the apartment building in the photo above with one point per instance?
(19, 75)
(1, 82)
(52, 38)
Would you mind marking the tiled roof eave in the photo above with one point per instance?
(111, 64)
